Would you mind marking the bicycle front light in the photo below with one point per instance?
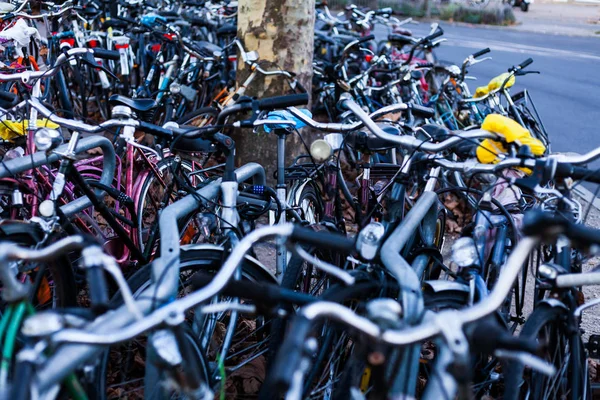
(320, 150)
(47, 139)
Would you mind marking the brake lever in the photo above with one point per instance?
(474, 61)
(534, 362)
(521, 72)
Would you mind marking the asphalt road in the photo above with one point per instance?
(567, 90)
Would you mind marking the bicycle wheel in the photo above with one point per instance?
(153, 198)
(53, 282)
(128, 362)
(201, 117)
(485, 383)
(548, 324)
(334, 344)
(309, 204)
(124, 366)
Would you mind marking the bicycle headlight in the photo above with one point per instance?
(175, 88)
(46, 139)
(464, 252)
(320, 150)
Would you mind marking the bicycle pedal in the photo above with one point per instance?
(593, 346)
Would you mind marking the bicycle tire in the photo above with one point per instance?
(142, 206)
(192, 259)
(521, 385)
(200, 117)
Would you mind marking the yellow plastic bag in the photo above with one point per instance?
(489, 150)
(12, 129)
(494, 84)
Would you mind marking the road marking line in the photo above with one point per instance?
(519, 48)
(587, 196)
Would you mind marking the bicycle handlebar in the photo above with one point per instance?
(480, 52)
(12, 252)
(27, 76)
(525, 63)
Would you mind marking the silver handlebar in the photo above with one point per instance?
(176, 308)
(28, 76)
(317, 310)
(409, 142)
(79, 125)
(11, 252)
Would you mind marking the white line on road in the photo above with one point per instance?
(587, 196)
(519, 48)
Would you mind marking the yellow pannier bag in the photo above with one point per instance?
(495, 84)
(512, 132)
(12, 129)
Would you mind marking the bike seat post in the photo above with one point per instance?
(281, 258)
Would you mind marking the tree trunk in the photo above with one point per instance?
(282, 32)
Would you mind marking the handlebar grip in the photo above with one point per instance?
(106, 54)
(525, 63)
(263, 293)
(583, 234)
(424, 65)
(155, 130)
(402, 39)
(538, 222)
(289, 356)
(384, 11)
(98, 288)
(274, 103)
(366, 39)
(422, 111)
(588, 175)
(481, 52)
(487, 336)
(8, 99)
(385, 71)
(565, 170)
(577, 279)
(7, 96)
(435, 34)
(329, 240)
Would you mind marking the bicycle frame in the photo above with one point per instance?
(69, 358)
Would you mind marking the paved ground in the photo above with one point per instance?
(577, 19)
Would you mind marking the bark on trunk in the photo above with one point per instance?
(282, 32)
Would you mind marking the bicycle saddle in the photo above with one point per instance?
(205, 48)
(344, 39)
(115, 23)
(227, 29)
(139, 105)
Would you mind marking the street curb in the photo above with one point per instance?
(587, 196)
(518, 27)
